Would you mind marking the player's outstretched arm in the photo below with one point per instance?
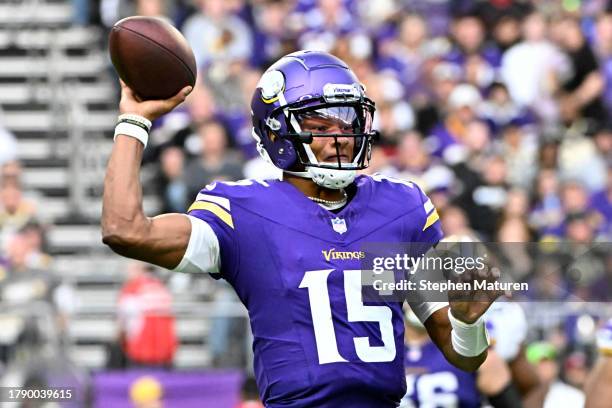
(440, 330)
(161, 240)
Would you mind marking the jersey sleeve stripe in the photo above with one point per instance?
(431, 219)
(428, 206)
(223, 202)
(215, 209)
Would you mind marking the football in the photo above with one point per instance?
(151, 57)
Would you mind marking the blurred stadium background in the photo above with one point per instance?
(499, 109)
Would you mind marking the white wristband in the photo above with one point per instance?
(469, 340)
(135, 131)
(135, 118)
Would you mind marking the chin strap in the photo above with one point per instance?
(328, 178)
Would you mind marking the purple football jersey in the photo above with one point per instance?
(295, 266)
(434, 382)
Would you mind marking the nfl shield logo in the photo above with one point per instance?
(339, 225)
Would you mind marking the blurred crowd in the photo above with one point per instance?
(499, 110)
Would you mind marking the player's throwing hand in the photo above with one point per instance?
(151, 109)
(468, 306)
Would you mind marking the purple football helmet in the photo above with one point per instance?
(309, 84)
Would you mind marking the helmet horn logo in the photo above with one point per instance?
(272, 84)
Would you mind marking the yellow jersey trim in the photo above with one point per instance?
(216, 209)
(432, 218)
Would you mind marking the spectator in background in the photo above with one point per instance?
(271, 34)
(517, 204)
(601, 201)
(177, 128)
(520, 152)
(514, 230)
(583, 88)
(171, 184)
(218, 38)
(321, 24)
(477, 58)
(548, 284)
(27, 279)
(507, 30)
(455, 222)
(406, 53)
(544, 356)
(535, 84)
(378, 17)
(441, 78)
(214, 163)
(581, 221)
(603, 141)
(33, 235)
(239, 122)
(145, 318)
(547, 212)
(484, 200)
(580, 160)
(601, 288)
(493, 12)
(579, 228)
(201, 104)
(356, 48)
(576, 369)
(111, 11)
(447, 135)
(500, 110)
(15, 210)
(515, 256)
(602, 47)
(11, 170)
(414, 163)
(548, 157)
(393, 114)
(380, 160)
(574, 197)
(153, 8)
(436, 13)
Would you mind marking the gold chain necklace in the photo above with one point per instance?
(329, 202)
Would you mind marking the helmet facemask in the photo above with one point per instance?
(338, 119)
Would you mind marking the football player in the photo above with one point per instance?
(291, 247)
(434, 382)
(598, 388)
